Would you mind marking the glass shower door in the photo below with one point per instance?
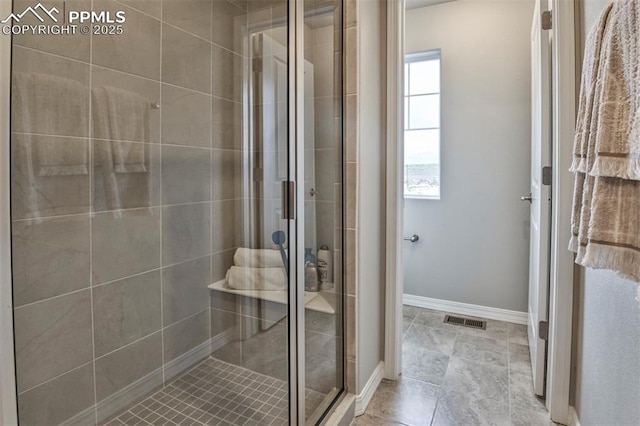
(166, 180)
(150, 250)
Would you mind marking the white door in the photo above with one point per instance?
(270, 164)
(540, 197)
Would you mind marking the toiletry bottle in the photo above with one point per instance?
(310, 271)
(324, 267)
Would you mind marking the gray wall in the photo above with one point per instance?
(103, 299)
(474, 241)
(371, 241)
(606, 358)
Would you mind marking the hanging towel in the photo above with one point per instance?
(606, 209)
(590, 72)
(586, 129)
(121, 117)
(53, 106)
(240, 278)
(257, 258)
(614, 227)
(618, 136)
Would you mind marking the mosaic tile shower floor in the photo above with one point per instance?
(216, 393)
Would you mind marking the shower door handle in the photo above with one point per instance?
(288, 200)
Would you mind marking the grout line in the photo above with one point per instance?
(54, 297)
(129, 210)
(162, 343)
(162, 21)
(130, 343)
(211, 174)
(152, 144)
(55, 377)
(121, 279)
(91, 207)
(100, 67)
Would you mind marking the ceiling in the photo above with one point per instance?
(414, 4)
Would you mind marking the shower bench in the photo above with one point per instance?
(321, 301)
(259, 310)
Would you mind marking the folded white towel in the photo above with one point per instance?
(257, 258)
(240, 278)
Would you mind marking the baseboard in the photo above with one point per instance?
(220, 340)
(364, 397)
(573, 417)
(182, 363)
(466, 309)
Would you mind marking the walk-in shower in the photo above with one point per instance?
(167, 173)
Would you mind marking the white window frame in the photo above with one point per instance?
(427, 55)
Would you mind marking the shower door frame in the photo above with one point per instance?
(295, 152)
(8, 401)
(295, 50)
(8, 391)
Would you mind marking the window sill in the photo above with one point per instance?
(421, 197)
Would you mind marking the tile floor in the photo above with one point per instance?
(458, 376)
(216, 393)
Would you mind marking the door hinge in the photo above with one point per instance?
(543, 330)
(257, 65)
(547, 175)
(547, 20)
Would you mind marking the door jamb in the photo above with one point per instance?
(562, 262)
(394, 287)
(562, 279)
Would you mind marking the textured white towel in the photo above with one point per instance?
(606, 209)
(618, 128)
(257, 258)
(614, 227)
(588, 90)
(120, 116)
(586, 130)
(241, 278)
(48, 105)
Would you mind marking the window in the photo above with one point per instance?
(422, 125)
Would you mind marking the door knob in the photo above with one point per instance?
(413, 238)
(528, 198)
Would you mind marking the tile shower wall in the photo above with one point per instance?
(110, 301)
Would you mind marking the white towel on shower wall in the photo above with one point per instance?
(257, 258)
(240, 278)
(121, 117)
(53, 106)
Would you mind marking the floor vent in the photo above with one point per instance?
(465, 322)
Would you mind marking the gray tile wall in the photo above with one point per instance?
(104, 298)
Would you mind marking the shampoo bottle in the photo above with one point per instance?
(310, 271)
(324, 267)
